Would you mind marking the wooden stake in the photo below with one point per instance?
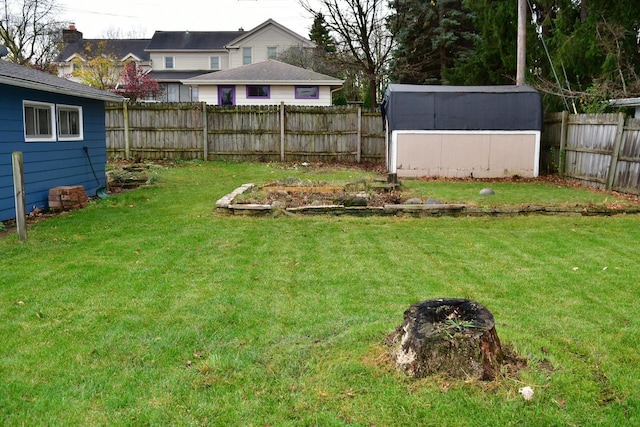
(18, 187)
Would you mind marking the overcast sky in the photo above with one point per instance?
(94, 18)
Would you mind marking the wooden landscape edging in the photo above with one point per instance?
(225, 205)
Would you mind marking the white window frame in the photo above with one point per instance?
(70, 108)
(52, 121)
(273, 49)
(173, 62)
(244, 56)
(211, 58)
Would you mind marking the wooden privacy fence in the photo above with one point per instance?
(267, 133)
(603, 150)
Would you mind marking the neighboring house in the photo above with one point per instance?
(174, 56)
(77, 51)
(180, 55)
(265, 83)
(50, 120)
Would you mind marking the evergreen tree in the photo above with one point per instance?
(319, 34)
(430, 37)
(594, 49)
(493, 57)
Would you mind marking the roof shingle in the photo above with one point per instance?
(269, 70)
(192, 40)
(118, 47)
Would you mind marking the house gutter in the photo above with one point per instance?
(264, 82)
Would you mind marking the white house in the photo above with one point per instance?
(173, 56)
(265, 83)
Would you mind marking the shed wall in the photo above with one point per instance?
(48, 164)
(466, 154)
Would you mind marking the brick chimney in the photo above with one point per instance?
(71, 35)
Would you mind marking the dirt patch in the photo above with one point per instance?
(295, 192)
(9, 226)
(123, 176)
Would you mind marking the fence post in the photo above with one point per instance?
(359, 148)
(563, 142)
(282, 131)
(18, 191)
(125, 113)
(615, 151)
(205, 131)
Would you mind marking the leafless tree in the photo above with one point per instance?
(113, 32)
(363, 40)
(30, 31)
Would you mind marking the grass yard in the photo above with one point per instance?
(147, 309)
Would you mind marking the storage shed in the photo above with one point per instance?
(50, 120)
(462, 131)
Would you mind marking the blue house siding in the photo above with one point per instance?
(48, 164)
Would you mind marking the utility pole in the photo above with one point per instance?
(522, 41)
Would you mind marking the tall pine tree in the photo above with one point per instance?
(319, 34)
(430, 37)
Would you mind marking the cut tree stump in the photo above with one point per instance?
(454, 336)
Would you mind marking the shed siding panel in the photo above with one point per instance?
(459, 155)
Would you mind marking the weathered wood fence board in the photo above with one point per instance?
(171, 131)
(602, 150)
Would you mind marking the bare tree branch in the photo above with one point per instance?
(362, 36)
(30, 31)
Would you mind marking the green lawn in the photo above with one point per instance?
(148, 309)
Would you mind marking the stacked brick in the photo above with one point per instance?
(66, 198)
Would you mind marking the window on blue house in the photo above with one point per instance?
(69, 122)
(39, 122)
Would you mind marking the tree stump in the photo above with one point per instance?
(453, 336)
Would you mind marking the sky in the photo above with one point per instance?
(140, 18)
